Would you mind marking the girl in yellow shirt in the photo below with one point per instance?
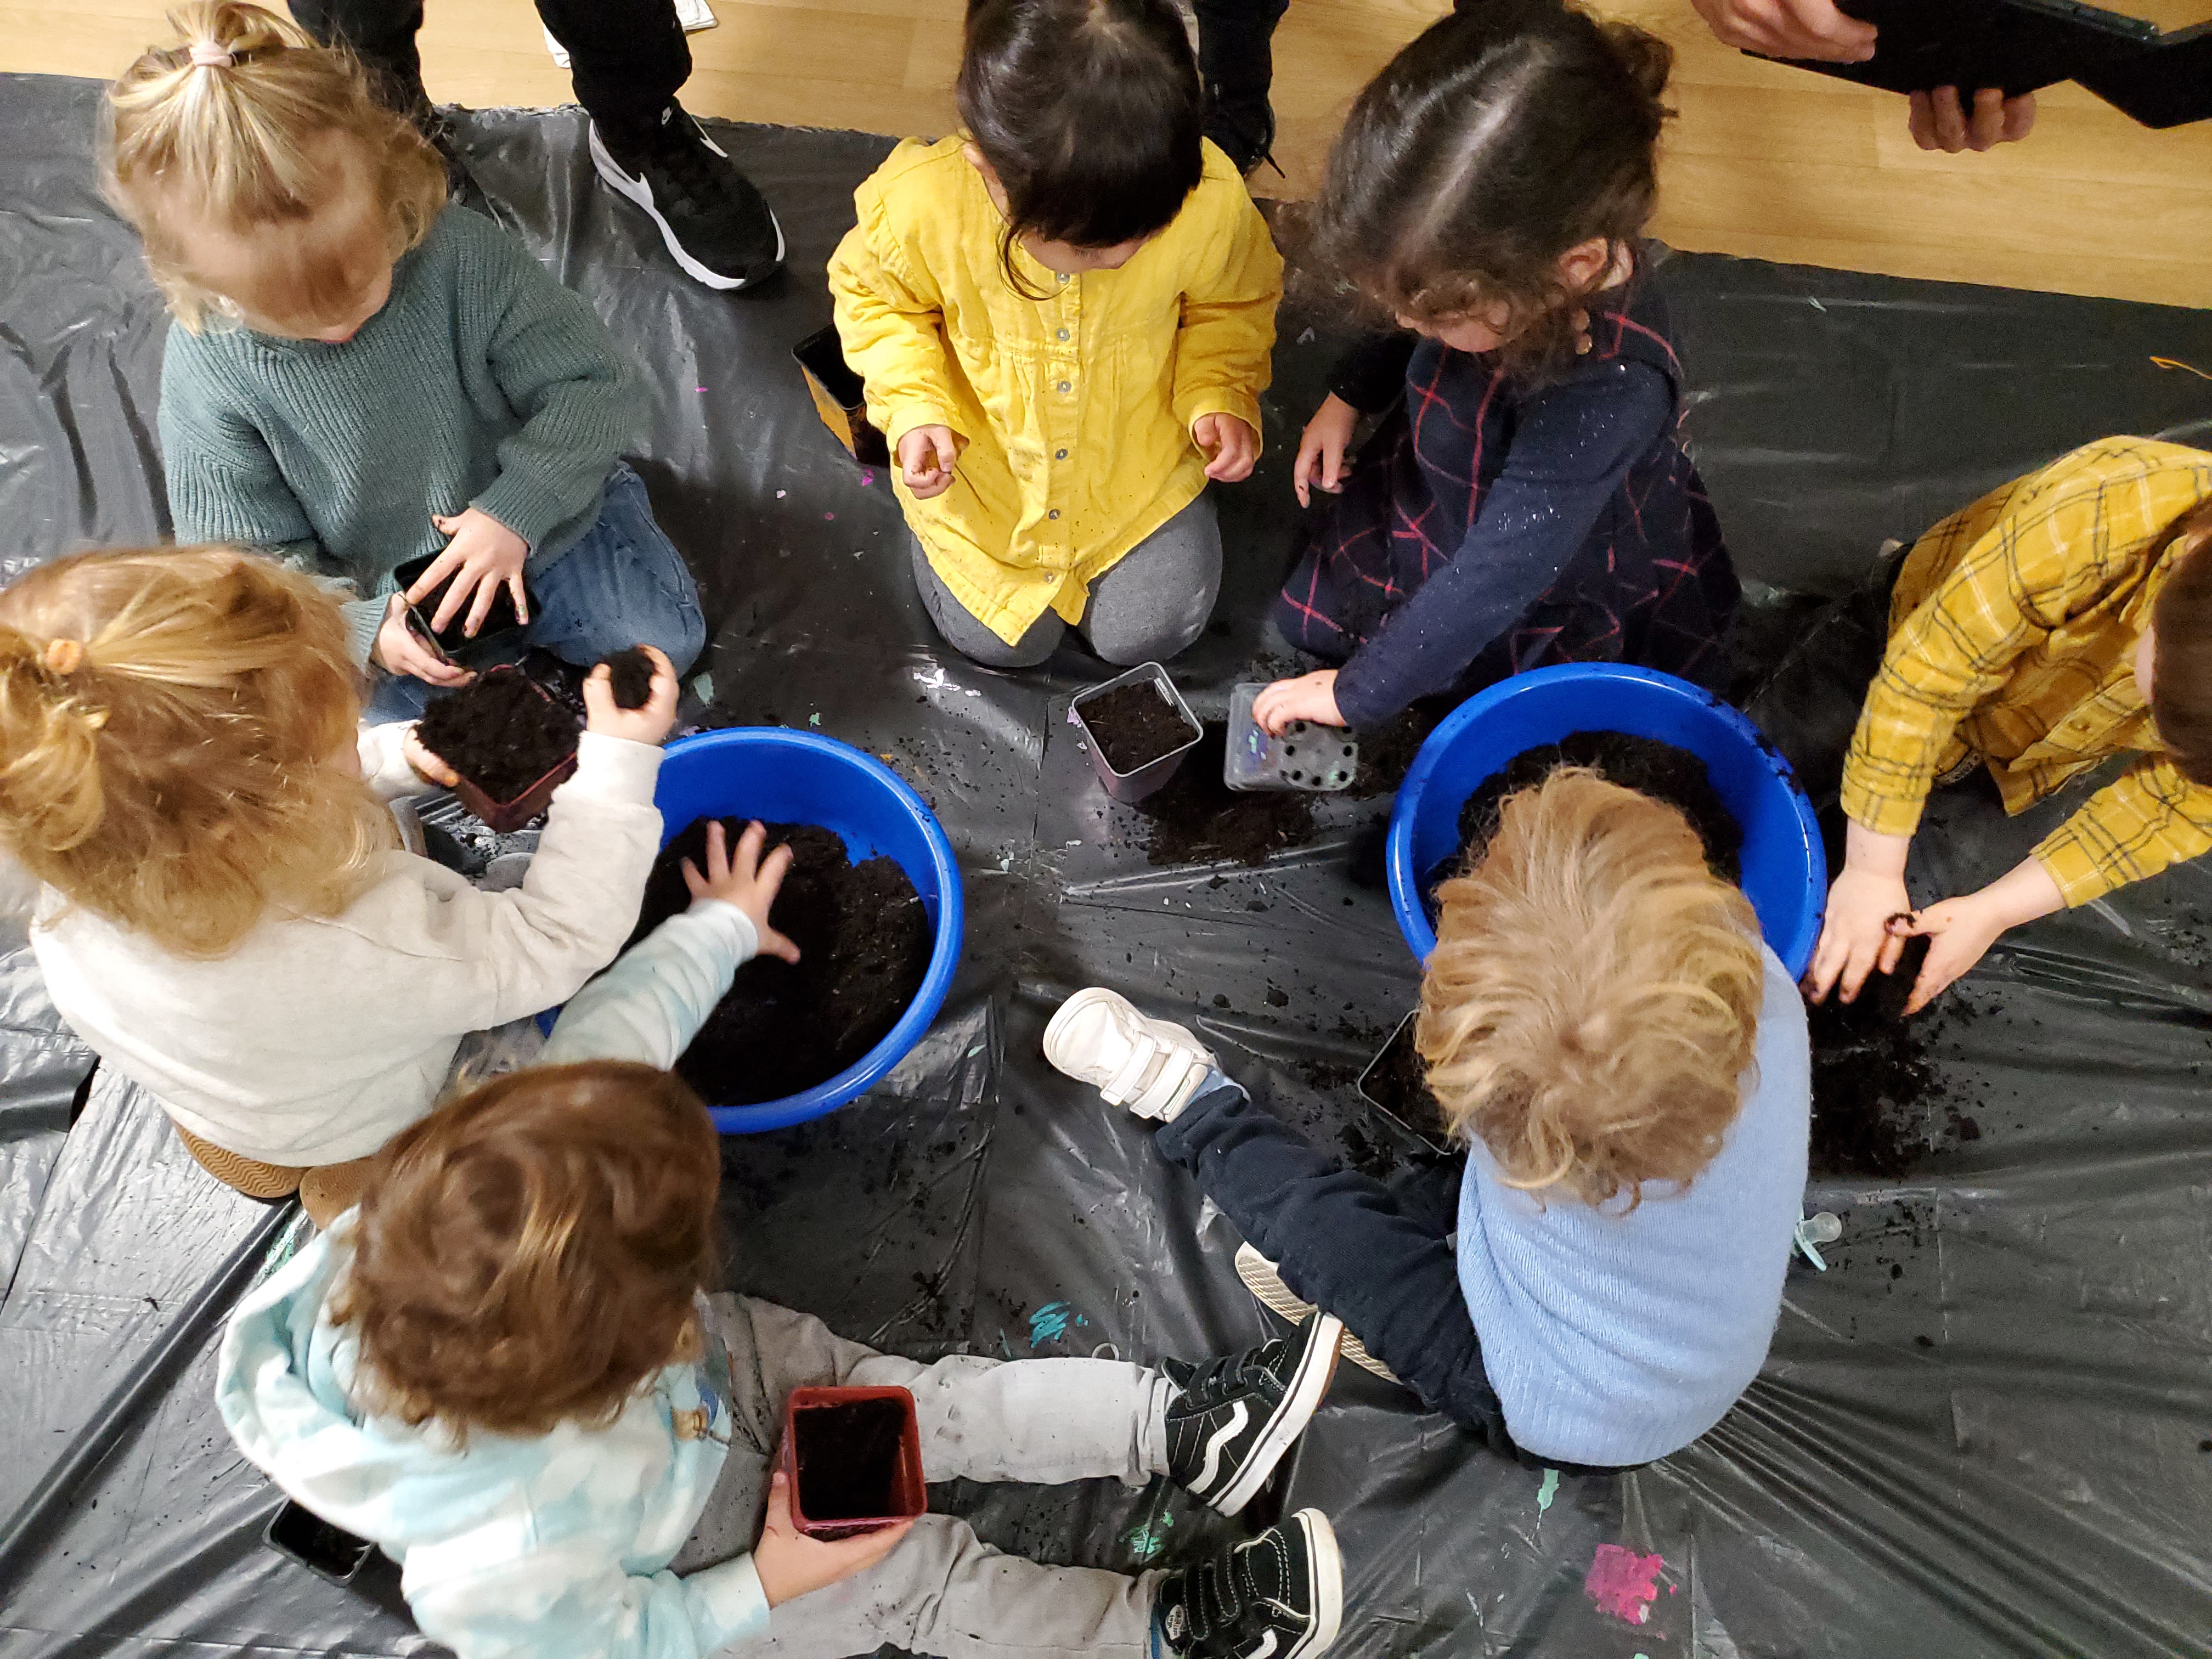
(1063, 316)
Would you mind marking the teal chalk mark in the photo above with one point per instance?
(1547, 1491)
(1149, 1536)
(814, 720)
(1050, 1323)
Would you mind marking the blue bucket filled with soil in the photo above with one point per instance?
(781, 776)
(1785, 872)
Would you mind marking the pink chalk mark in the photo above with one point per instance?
(867, 477)
(1624, 1584)
(829, 515)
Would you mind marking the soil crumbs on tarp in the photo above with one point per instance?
(1196, 818)
(1399, 1085)
(502, 734)
(1644, 764)
(864, 940)
(1871, 1080)
(1134, 725)
(848, 1459)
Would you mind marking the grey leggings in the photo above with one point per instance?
(1150, 606)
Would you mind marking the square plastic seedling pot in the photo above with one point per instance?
(329, 1552)
(1133, 787)
(507, 816)
(909, 1492)
(501, 626)
(1368, 1085)
(1306, 758)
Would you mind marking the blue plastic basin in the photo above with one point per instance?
(1785, 870)
(781, 776)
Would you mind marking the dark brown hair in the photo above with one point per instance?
(1090, 112)
(1503, 135)
(527, 1254)
(2181, 648)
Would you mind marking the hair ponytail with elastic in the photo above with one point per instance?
(50, 786)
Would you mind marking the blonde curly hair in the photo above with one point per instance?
(1594, 997)
(168, 718)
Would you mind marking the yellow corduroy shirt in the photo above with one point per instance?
(1078, 406)
(2013, 629)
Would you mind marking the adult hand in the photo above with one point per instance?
(1961, 930)
(927, 456)
(1790, 28)
(650, 724)
(483, 556)
(790, 1564)
(1940, 121)
(430, 766)
(1232, 447)
(1320, 449)
(397, 651)
(1856, 938)
(748, 881)
(1308, 697)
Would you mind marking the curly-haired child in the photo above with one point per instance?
(506, 1368)
(1628, 1067)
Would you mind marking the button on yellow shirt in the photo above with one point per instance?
(1077, 405)
(2012, 630)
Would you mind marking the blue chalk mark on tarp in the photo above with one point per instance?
(1548, 1491)
(1050, 1323)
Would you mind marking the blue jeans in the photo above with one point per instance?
(1376, 1255)
(621, 583)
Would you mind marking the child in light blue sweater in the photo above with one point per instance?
(503, 1368)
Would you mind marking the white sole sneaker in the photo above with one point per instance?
(638, 194)
(1149, 1066)
(1325, 1565)
(1266, 1283)
(1309, 1387)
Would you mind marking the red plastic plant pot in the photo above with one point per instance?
(503, 817)
(853, 1457)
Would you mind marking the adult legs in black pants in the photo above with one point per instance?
(1236, 61)
(628, 58)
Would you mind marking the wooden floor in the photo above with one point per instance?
(1764, 160)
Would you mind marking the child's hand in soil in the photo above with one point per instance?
(1320, 451)
(790, 1564)
(927, 456)
(1232, 447)
(1856, 939)
(650, 724)
(1961, 930)
(483, 556)
(397, 651)
(748, 881)
(1308, 697)
(426, 764)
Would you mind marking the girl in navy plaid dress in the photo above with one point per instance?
(1526, 499)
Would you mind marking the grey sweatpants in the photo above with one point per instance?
(1150, 605)
(942, 1591)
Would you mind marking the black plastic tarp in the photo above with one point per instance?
(1985, 1430)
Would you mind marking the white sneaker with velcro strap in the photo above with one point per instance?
(1149, 1066)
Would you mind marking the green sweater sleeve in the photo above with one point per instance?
(582, 404)
(224, 484)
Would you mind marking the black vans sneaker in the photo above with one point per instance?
(1236, 1417)
(719, 228)
(1280, 1596)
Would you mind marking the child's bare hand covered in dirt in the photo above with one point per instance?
(483, 557)
(747, 880)
(397, 651)
(1856, 939)
(1232, 448)
(1961, 930)
(926, 458)
(428, 766)
(1308, 697)
(650, 724)
(1320, 464)
(790, 1564)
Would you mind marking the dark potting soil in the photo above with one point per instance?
(1644, 764)
(1386, 752)
(1196, 818)
(848, 1459)
(1871, 1079)
(501, 732)
(631, 672)
(1134, 725)
(1400, 1084)
(863, 941)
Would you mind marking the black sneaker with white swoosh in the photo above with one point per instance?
(716, 225)
(1280, 1595)
(1233, 1417)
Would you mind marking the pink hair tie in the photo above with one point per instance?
(206, 54)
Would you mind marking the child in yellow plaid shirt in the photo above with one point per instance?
(2062, 619)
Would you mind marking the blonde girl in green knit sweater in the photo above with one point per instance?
(360, 374)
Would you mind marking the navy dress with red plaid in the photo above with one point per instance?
(1491, 527)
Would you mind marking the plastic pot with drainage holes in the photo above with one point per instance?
(1302, 757)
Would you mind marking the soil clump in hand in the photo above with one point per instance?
(1134, 725)
(1644, 764)
(864, 940)
(848, 1459)
(629, 674)
(1870, 1076)
(1398, 1084)
(1196, 818)
(501, 732)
